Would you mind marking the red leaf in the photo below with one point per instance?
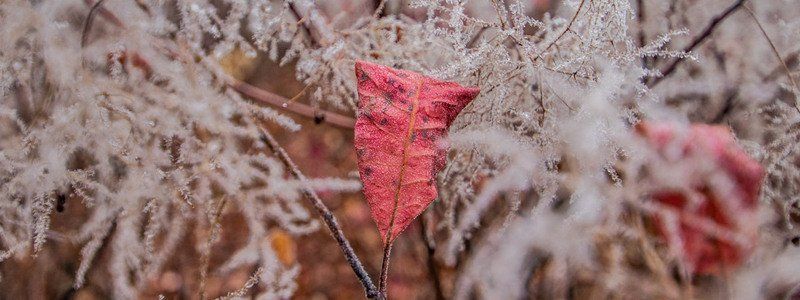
(704, 253)
(401, 117)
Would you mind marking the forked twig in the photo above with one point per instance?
(566, 29)
(327, 216)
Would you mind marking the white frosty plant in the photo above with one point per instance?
(122, 107)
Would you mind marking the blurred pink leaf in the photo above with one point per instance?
(733, 210)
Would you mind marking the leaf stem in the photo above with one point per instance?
(327, 216)
(387, 248)
(384, 281)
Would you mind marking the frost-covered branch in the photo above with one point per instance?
(326, 214)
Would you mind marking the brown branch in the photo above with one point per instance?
(295, 107)
(699, 39)
(778, 56)
(327, 216)
(246, 89)
(387, 252)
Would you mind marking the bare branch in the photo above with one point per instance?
(292, 106)
(327, 216)
(705, 34)
(244, 88)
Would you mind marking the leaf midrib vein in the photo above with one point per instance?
(404, 161)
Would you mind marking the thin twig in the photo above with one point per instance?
(249, 284)
(640, 19)
(715, 22)
(778, 56)
(300, 94)
(97, 252)
(475, 38)
(379, 9)
(500, 14)
(387, 250)
(642, 35)
(206, 255)
(316, 23)
(727, 107)
(301, 21)
(96, 7)
(558, 97)
(327, 216)
(574, 17)
(87, 24)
